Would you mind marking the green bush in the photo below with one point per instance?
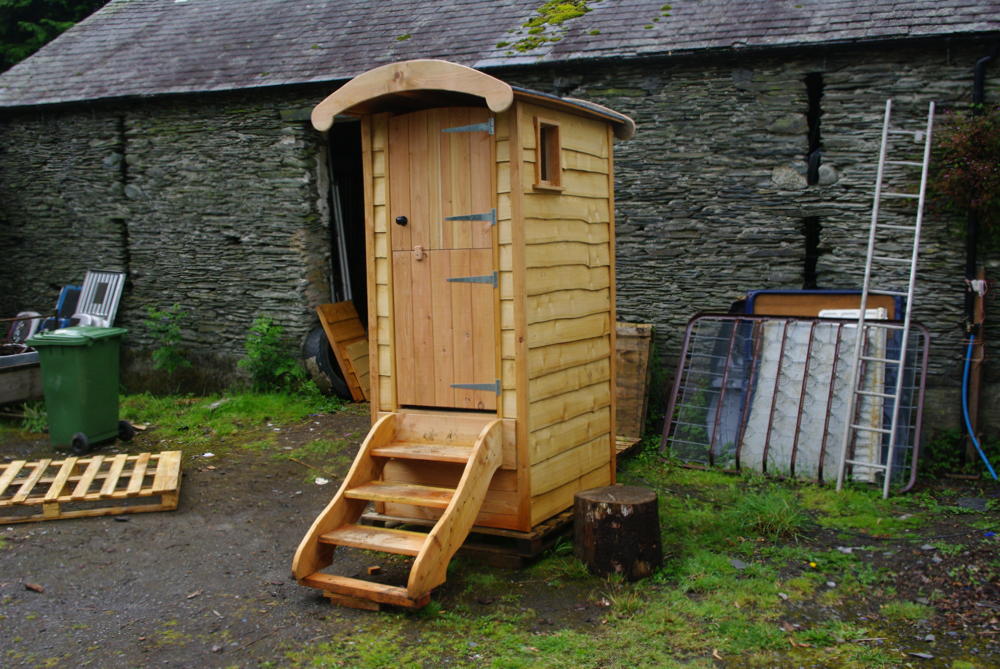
(268, 361)
(164, 326)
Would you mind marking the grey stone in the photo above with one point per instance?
(788, 178)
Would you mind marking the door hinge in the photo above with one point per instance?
(490, 279)
(490, 217)
(491, 387)
(485, 126)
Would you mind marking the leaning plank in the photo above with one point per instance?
(343, 329)
(46, 497)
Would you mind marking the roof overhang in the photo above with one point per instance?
(416, 84)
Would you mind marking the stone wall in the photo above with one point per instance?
(712, 193)
(217, 201)
(212, 203)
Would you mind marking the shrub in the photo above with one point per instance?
(164, 326)
(965, 170)
(268, 361)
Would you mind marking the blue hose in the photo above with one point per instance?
(965, 407)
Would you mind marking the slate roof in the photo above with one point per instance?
(156, 47)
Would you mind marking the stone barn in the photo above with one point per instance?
(171, 140)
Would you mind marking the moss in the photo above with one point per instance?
(542, 27)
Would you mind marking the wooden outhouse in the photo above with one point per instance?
(489, 218)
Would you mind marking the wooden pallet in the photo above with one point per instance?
(92, 486)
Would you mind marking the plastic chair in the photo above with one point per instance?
(65, 308)
(98, 303)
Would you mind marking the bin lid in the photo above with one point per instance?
(79, 335)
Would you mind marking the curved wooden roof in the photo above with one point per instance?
(416, 83)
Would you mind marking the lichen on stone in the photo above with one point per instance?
(543, 26)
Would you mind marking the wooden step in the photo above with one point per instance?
(402, 493)
(358, 589)
(401, 542)
(446, 428)
(406, 450)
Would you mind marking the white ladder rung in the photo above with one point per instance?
(898, 293)
(907, 163)
(875, 393)
(904, 196)
(914, 133)
(862, 463)
(882, 324)
(887, 361)
(893, 226)
(892, 259)
(866, 428)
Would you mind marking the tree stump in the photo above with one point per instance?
(617, 531)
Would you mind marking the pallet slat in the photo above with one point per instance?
(88, 477)
(13, 469)
(110, 483)
(29, 483)
(55, 488)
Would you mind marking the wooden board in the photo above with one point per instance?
(93, 486)
(349, 342)
(633, 348)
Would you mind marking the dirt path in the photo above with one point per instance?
(206, 585)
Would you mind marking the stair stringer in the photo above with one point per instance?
(312, 555)
(431, 564)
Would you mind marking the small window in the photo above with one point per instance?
(548, 166)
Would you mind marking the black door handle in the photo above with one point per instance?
(401, 220)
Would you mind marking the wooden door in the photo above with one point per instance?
(444, 279)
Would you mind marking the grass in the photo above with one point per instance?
(193, 423)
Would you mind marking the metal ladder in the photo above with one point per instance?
(864, 385)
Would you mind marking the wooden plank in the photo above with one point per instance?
(612, 448)
(114, 472)
(405, 373)
(400, 542)
(550, 441)
(376, 223)
(343, 327)
(55, 488)
(544, 206)
(551, 279)
(550, 359)
(83, 485)
(442, 350)
(566, 330)
(358, 354)
(416, 495)
(399, 186)
(550, 503)
(10, 473)
(540, 230)
(557, 383)
(633, 348)
(417, 451)
(569, 405)
(484, 351)
(353, 587)
(568, 304)
(29, 483)
(569, 465)
(168, 467)
(138, 474)
(462, 332)
(553, 254)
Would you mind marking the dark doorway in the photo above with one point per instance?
(348, 277)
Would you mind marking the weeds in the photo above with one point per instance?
(36, 418)
(268, 361)
(164, 327)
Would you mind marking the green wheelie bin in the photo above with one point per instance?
(80, 382)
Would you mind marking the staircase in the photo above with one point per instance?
(442, 437)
